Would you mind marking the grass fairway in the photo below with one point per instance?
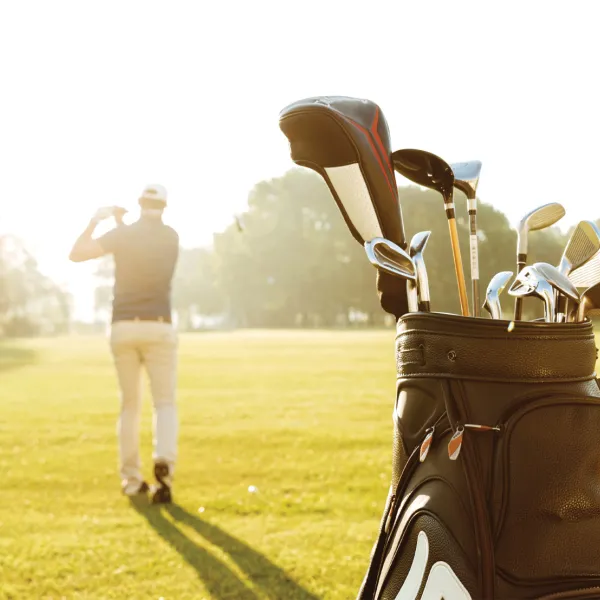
(303, 416)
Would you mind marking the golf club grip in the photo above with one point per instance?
(458, 268)
(518, 299)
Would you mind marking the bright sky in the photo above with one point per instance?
(99, 98)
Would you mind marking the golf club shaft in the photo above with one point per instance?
(458, 268)
(474, 256)
(521, 262)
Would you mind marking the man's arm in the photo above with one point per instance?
(88, 248)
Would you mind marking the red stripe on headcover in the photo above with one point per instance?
(378, 139)
(368, 134)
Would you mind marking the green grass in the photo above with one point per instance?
(303, 416)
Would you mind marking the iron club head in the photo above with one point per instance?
(539, 218)
(492, 294)
(581, 247)
(389, 257)
(529, 282)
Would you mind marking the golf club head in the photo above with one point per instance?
(589, 305)
(347, 142)
(389, 257)
(529, 282)
(539, 218)
(583, 244)
(561, 283)
(492, 294)
(588, 275)
(416, 249)
(466, 177)
(426, 169)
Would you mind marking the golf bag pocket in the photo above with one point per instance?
(545, 497)
(495, 489)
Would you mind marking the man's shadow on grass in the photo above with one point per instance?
(220, 580)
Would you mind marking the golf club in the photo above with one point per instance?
(587, 275)
(416, 248)
(347, 142)
(529, 282)
(583, 244)
(390, 258)
(466, 178)
(589, 305)
(429, 170)
(492, 294)
(562, 285)
(539, 218)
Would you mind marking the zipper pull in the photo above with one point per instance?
(426, 444)
(455, 443)
(390, 517)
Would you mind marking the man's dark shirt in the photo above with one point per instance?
(145, 254)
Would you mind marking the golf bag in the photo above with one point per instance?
(347, 141)
(495, 490)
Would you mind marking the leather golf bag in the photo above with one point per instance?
(495, 490)
(347, 142)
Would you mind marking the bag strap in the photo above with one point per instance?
(369, 586)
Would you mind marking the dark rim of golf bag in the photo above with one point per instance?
(495, 488)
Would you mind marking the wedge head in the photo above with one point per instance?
(390, 258)
(539, 218)
(581, 247)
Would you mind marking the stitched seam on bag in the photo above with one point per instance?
(506, 337)
(508, 378)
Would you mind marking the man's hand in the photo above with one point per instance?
(105, 212)
(119, 212)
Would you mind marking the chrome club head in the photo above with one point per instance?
(561, 283)
(492, 294)
(389, 257)
(539, 218)
(416, 249)
(466, 177)
(529, 282)
(581, 247)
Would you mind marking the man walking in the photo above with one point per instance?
(145, 254)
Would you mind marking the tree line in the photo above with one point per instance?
(293, 264)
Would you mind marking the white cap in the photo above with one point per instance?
(155, 192)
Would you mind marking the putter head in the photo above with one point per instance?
(539, 218)
(581, 247)
(492, 294)
(530, 282)
(466, 177)
(426, 169)
(561, 283)
(390, 258)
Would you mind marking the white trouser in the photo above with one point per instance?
(154, 345)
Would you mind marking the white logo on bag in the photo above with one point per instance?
(442, 583)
